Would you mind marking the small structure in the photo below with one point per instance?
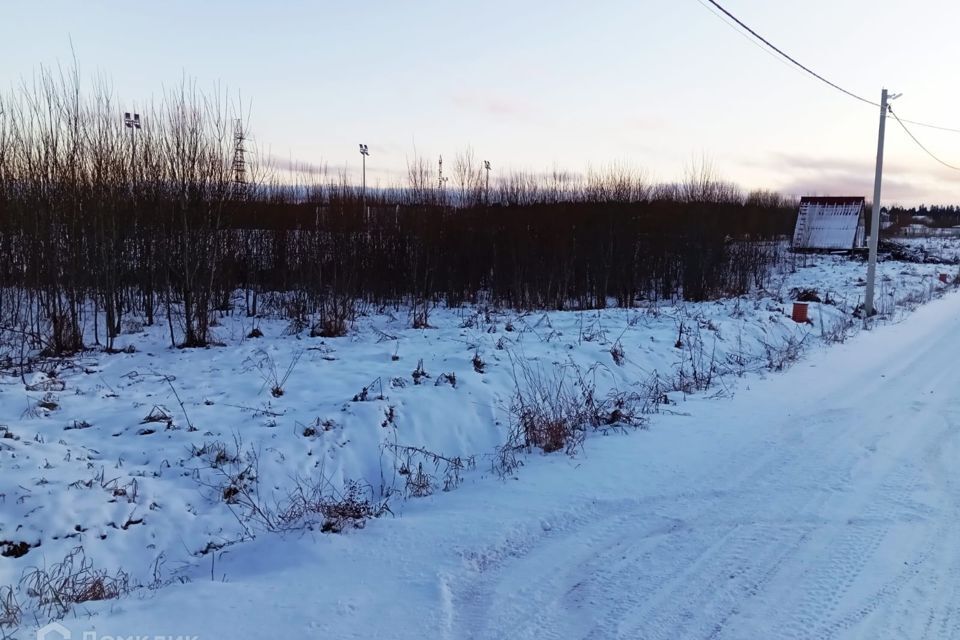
(886, 219)
(830, 223)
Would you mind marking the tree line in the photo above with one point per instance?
(100, 224)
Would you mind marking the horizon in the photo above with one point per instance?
(660, 88)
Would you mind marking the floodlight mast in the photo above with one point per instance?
(132, 122)
(364, 151)
(486, 166)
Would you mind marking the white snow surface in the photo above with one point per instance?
(817, 503)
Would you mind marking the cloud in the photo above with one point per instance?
(644, 123)
(894, 190)
(293, 165)
(819, 175)
(833, 165)
(506, 107)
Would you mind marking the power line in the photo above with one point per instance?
(789, 57)
(816, 75)
(920, 144)
(742, 34)
(885, 113)
(932, 126)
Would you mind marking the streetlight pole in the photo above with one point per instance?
(364, 151)
(486, 166)
(868, 306)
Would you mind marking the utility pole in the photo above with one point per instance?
(364, 151)
(868, 306)
(486, 166)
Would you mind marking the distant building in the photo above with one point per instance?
(830, 223)
(886, 219)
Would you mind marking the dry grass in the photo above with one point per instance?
(552, 410)
(74, 580)
(11, 613)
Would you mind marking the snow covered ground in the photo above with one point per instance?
(815, 503)
(935, 249)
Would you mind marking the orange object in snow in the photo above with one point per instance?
(799, 312)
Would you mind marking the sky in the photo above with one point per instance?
(536, 85)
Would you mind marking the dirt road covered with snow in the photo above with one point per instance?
(823, 502)
(828, 508)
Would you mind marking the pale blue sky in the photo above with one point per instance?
(536, 84)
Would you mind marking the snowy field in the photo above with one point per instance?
(197, 482)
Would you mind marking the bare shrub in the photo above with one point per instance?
(419, 374)
(336, 509)
(446, 378)
(364, 394)
(618, 354)
(655, 391)
(838, 331)
(48, 384)
(593, 332)
(158, 414)
(336, 311)
(418, 484)
(74, 580)
(478, 364)
(781, 357)
(215, 453)
(420, 315)
(552, 410)
(351, 508)
(804, 294)
(11, 612)
(312, 500)
(698, 367)
(49, 402)
(296, 326)
(409, 462)
(272, 378)
(389, 417)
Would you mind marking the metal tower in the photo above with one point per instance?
(441, 180)
(239, 159)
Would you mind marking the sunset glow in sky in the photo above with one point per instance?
(535, 84)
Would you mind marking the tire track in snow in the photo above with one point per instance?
(693, 545)
(736, 561)
(933, 568)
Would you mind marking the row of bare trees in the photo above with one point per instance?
(102, 225)
(100, 219)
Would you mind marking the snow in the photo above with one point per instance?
(938, 249)
(815, 503)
